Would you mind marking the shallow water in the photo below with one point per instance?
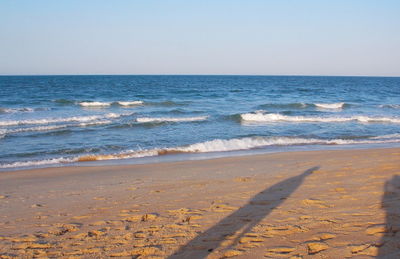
(51, 120)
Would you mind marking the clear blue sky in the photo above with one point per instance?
(281, 37)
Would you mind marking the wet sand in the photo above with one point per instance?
(316, 204)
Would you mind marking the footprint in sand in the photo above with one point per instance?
(316, 202)
(281, 251)
(314, 248)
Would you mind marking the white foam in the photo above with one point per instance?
(13, 110)
(86, 124)
(329, 105)
(39, 128)
(216, 145)
(107, 104)
(53, 127)
(221, 145)
(131, 103)
(38, 162)
(57, 120)
(3, 133)
(95, 104)
(388, 136)
(393, 106)
(274, 117)
(169, 119)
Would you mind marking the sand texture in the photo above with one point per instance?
(317, 204)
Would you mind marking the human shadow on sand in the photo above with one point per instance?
(241, 221)
(390, 242)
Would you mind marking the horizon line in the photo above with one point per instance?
(293, 75)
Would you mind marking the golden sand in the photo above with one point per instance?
(325, 204)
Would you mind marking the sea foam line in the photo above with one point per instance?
(94, 104)
(65, 119)
(129, 103)
(170, 119)
(221, 145)
(330, 105)
(216, 145)
(300, 105)
(275, 117)
(53, 127)
(51, 161)
(106, 104)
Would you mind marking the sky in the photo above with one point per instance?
(256, 37)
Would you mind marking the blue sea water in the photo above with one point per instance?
(63, 120)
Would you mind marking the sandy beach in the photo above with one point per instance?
(315, 204)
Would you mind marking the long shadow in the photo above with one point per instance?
(390, 242)
(242, 220)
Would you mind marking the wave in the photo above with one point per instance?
(334, 106)
(169, 119)
(392, 106)
(130, 103)
(94, 104)
(63, 101)
(53, 127)
(3, 133)
(14, 110)
(39, 128)
(65, 119)
(51, 161)
(216, 145)
(275, 117)
(388, 136)
(100, 104)
(330, 105)
(284, 105)
(107, 104)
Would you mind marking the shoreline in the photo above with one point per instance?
(303, 204)
(194, 156)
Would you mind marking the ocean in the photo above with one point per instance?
(91, 120)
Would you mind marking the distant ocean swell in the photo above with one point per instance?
(52, 124)
(63, 119)
(105, 104)
(261, 116)
(136, 103)
(334, 106)
(53, 127)
(216, 145)
(26, 109)
(32, 125)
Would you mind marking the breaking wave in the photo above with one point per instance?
(334, 106)
(38, 163)
(131, 103)
(53, 127)
(95, 104)
(65, 119)
(170, 119)
(216, 145)
(106, 104)
(275, 117)
(329, 105)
